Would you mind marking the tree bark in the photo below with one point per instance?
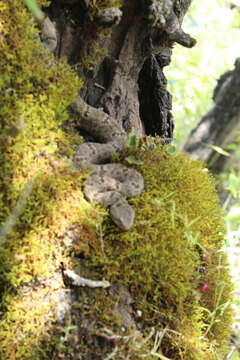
(127, 82)
(220, 125)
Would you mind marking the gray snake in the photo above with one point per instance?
(110, 184)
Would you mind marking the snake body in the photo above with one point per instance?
(110, 184)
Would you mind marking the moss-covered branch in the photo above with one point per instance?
(170, 288)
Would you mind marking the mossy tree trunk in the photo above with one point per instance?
(150, 302)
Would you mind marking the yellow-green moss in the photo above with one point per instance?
(178, 229)
(35, 91)
(178, 225)
(36, 249)
(34, 94)
(92, 53)
(96, 5)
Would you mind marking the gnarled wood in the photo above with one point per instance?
(146, 28)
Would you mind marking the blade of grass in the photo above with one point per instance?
(35, 10)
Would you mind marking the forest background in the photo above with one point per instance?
(193, 77)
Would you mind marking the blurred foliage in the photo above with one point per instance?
(230, 181)
(193, 73)
(35, 9)
(192, 77)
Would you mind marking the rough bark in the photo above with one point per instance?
(136, 52)
(220, 125)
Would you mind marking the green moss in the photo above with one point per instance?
(35, 91)
(178, 226)
(96, 5)
(44, 3)
(92, 53)
(178, 229)
(35, 252)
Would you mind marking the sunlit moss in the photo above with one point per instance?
(35, 92)
(178, 225)
(35, 249)
(178, 229)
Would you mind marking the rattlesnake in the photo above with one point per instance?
(109, 184)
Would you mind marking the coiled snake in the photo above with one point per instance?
(110, 183)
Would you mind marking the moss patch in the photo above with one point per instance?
(40, 194)
(167, 261)
(104, 4)
(172, 253)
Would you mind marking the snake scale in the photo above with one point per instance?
(110, 184)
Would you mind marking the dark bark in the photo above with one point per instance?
(220, 125)
(128, 82)
(155, 100)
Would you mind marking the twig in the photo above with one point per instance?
(70, 278)
(112, 354)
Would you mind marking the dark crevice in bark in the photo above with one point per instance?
(155, 101)
(95, 88)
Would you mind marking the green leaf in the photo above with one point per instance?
(234, 185)
(233, 147)
(218, 149)
(131, 140)
(234, 214)
(35, 9)
(134, 160)
(170, 149)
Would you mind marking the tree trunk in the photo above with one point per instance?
(119, 49)
(220, 125)
(125, 78)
